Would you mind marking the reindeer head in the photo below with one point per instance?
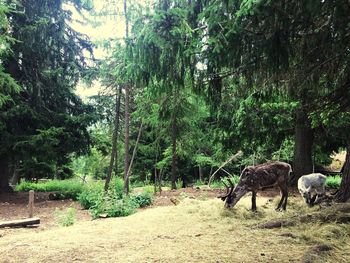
(233, 194)
(306, 194)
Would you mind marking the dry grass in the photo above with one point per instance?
(193, 231)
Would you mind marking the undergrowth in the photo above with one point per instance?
(66, 217)
(113, 203)
(66, 188)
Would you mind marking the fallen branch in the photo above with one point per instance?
(275, 224)
(232, 158)
(20, 222)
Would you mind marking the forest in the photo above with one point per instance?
(189, 84)
(189, 91)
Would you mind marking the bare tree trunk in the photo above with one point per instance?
(126, 141)
(14, 172)
(160, 179)
(4, 175)
(114, 138)
(174, 155)
(134, 151)
(304, 137)
(200, 171)
(127, 120)
(343, 194)
(155, 179)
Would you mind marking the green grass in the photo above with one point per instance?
(67, 217)
(333, 181)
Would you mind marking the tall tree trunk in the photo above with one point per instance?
(343, 194)
(134, 151)
(304, 137)
(114, 138)
(183, 178)
(127, 120)
(4, 175)
(14, 173)
(200, 171)
(174, 154)
(126, 141)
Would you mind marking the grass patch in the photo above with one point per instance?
(67, 217)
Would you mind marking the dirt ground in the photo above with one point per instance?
(15, 206)
(197, 229)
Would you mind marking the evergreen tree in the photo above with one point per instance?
(46, 121)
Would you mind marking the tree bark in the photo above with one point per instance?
(343, 194)
(134, 151)
(114, 138)
(200, 171)
(126, 141)
(304, 137)
(127, 120)
(4, 175)
(174, 155)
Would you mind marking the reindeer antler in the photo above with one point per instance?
(228, 190)
(232, 185)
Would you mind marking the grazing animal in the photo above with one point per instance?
(254, 178)
(310, 183)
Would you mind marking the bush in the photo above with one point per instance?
(333, 181)
(65, 218)
(113, 203)
(91, 195)
(118, 186)
(111, 206)
(66, 188)
(143, 199)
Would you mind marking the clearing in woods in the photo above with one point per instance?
(196, 230)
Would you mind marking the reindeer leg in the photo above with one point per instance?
(285, 199)
(278, 208)
(253, 201)
(283, 202)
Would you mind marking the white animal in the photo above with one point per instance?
(310, 183)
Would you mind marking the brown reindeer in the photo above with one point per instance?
(254, 178)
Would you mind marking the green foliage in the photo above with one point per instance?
(65, 217)
(113, 206)
(333, 181)
(45, 122)
(93, 164)
(66, 188)
(113, 203)
(92, 195)
(143, 199)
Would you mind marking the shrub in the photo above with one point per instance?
(143, 199)
(66, 188)
(92, 195)
(333, 181)
(118, 186)
(65, 218)
(113, 203)
(112, 206)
